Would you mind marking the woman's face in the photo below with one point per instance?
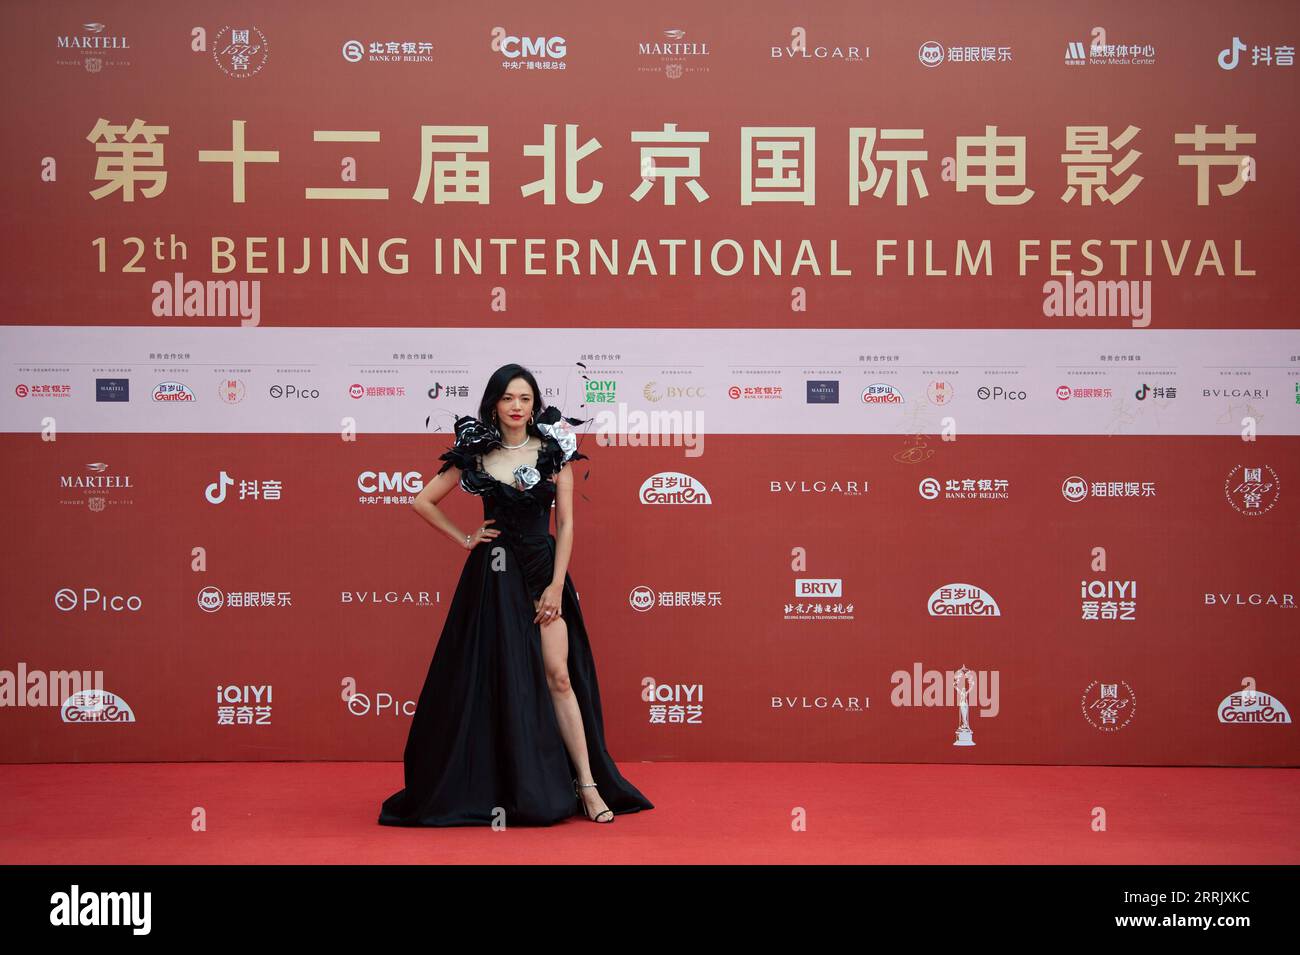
(515, 407)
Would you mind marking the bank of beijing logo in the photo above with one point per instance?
(388, 51)
(1109, 707)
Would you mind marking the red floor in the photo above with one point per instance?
(139, 813)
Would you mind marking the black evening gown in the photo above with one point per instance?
(484, 735)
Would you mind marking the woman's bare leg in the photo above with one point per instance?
(555, 654)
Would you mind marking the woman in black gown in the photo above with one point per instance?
(508, 728)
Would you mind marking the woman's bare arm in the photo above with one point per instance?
(563, 523)
(426, 503)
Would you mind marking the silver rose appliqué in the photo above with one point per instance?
(526, 477)
(563, 435)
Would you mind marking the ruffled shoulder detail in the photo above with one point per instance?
(473, 438)
(560, 441)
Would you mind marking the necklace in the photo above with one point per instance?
(516, 447)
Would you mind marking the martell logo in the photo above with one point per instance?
(97, 49)
(672, 56)
(112, 389)
(822, 391)
(98, 482)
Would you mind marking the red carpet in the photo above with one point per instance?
(140, 813)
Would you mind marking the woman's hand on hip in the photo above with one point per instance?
(482, 533)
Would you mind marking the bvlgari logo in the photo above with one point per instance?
(823, 701)
(799, 49)
(848, 487)
(409, 598)
(1284, 601)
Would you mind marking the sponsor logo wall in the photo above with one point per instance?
(975, 441)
